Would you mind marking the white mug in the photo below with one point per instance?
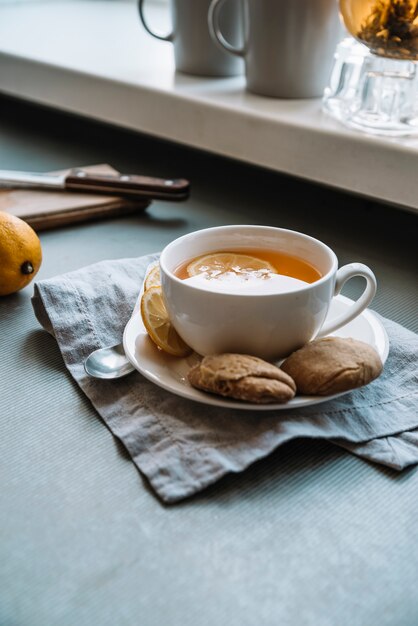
(270, 326)
(289, 44)
(194, 51)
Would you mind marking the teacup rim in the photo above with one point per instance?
(323, 279)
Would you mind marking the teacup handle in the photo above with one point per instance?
(343, 274)
(169, 37)
(215, 29)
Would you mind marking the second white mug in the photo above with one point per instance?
(289, 44)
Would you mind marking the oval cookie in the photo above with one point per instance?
(332, 365)
(242, 377)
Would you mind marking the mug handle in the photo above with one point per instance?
(169, 37)
(343, 274)
(215, 29)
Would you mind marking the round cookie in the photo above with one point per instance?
(242, 377)
(332, 365)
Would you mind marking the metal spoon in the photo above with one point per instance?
(108, 363)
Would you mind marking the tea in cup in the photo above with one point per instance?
(255, 290)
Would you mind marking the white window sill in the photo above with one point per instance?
(92, 57)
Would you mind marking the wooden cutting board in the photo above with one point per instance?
(49, 209)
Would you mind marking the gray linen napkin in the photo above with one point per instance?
(182, 446)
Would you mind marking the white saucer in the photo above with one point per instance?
(170, 373)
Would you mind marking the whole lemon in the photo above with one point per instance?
(20, 254)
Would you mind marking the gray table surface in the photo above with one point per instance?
(309, 536)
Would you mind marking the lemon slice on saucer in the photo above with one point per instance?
(158, 325)
(222, 262)
(153, 278)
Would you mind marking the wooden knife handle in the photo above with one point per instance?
(128, 185)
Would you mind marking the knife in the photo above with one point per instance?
(129, 185)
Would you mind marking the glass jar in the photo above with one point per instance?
(389, 28)
(372, 93)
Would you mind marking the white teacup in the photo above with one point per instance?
(271, 325)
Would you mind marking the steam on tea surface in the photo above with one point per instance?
(248, 271)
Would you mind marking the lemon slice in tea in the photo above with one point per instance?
(220, 263)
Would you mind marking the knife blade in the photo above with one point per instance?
(129, 185)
